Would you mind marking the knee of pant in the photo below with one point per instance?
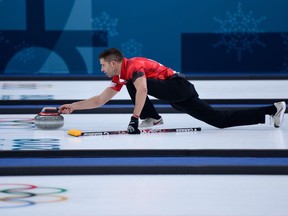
(221, 126)
(216, 120)
(218, 124)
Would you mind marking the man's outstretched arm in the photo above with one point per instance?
(90, 103)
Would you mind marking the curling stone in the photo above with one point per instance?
(49, 119)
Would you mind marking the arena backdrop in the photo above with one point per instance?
(207, 37)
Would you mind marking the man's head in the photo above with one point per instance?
(110, 61)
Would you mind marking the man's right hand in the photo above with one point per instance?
(66, 109)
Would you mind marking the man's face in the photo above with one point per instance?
(109, 68)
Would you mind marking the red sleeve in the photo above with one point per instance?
(116, 84)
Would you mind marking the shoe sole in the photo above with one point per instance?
(281, 113)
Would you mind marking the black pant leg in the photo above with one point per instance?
(201, 110)
(174, 89)
(181, 94)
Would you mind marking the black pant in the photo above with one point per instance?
(182, 96)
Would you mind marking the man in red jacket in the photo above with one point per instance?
(144, 77)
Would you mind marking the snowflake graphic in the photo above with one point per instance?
(105, 23)
(239, 32)
(285, 62)
(131, 48)
(25, 52)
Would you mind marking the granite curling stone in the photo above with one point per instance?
(49, 119)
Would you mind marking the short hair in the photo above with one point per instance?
(111, 54)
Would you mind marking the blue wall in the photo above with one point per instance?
(53, 37)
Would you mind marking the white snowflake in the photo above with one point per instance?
(239, 32)
(131, 48)
(105, 23)
(25, 53)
